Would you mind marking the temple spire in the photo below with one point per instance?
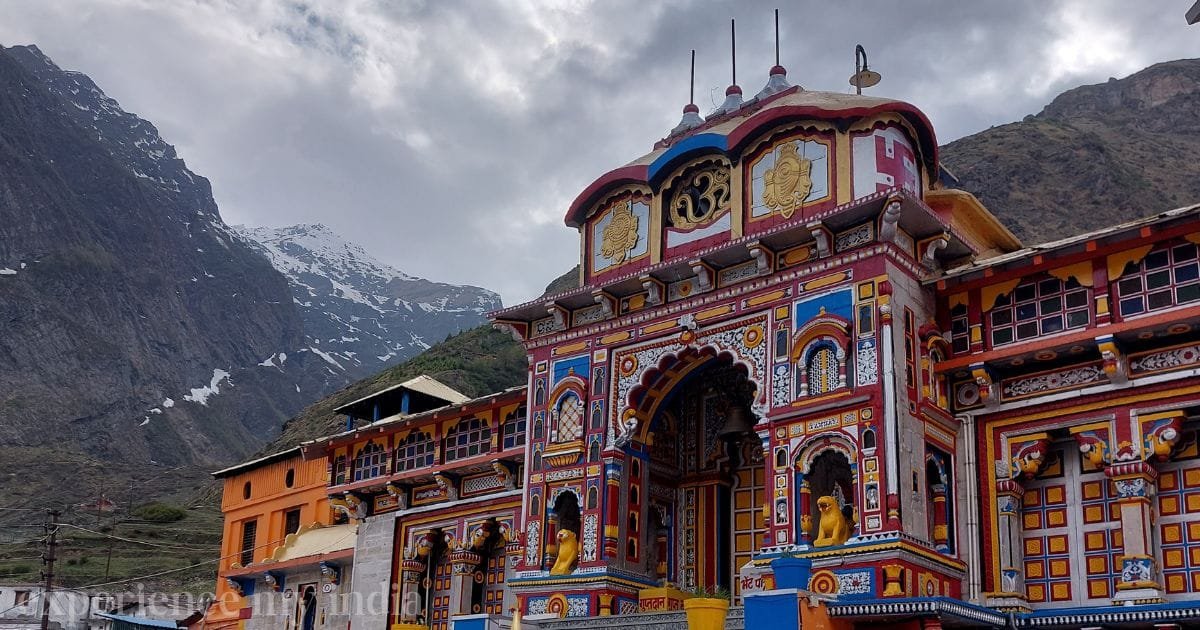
(777, 79)
(733, 94)
(691, 114)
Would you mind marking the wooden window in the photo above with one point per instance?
(514, 428)
(339, 470)
(416, 451)
(1165, 278)
(21, 598)
(249, 533)
(960, 329)
(468, 439)
(1038, 308)
(291, 521)
(570, 418)
(370, 462)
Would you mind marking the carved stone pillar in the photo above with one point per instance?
(1135, 485)
(805, 520)
(464, 563)
(1010, 592)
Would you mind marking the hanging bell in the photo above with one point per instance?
(739, 421)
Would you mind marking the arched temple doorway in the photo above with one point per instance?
(706, 478)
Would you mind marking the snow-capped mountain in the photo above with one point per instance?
(360, 314)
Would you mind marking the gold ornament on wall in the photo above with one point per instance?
(705, 196)
(788, 183)
(620, 236)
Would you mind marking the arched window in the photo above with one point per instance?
(823, 369)
(514, 428)
(369, 462)
(416, 451)
(246, 490)
(468, 438)
(868, 440)
(570, 418)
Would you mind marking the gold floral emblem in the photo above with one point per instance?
(621, 234)
(789, 182)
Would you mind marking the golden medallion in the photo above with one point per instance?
(789, 182)
(620, 236)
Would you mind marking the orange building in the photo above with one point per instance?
(270, 505)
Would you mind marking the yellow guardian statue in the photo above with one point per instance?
(568, 552)
(833, 529)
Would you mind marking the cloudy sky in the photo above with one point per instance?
(449, 137)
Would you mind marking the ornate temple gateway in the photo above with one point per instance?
(801, 366)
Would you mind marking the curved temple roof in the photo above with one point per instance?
(730, 133)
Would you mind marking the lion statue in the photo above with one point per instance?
(568, 552)
(833, 529)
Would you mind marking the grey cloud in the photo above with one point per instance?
(448, 138)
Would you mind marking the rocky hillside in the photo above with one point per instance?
(359, 314)
(145, 342)
(1095, 156)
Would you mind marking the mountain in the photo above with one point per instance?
(1097, 155)
(359, 314)
(145, 342)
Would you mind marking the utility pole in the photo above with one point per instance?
(48, 560)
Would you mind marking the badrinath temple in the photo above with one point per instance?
(804, 372)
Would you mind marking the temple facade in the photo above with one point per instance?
(802, 366)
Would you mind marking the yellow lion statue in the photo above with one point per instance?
(568, 552)
(832, 530)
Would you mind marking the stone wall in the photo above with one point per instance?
(372, 580)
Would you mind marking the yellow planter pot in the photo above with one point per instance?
(704, 613)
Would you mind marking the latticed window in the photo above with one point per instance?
(416, 451)
(468, 439)
(339, 470)
(1039, 308)
(514, 428)
(960, 329)
(1165, 278)
(570, 417)
(823, 370)
(370, 462)
(249, 534)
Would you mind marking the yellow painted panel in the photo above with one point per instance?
(1037, 592)
(1172, 533)
(767, 297)
(1055, 494)
(615, 337)
(820, 283)
(1034, 569)
(1193, 532)
(1168, 481)
(1173, 558)
(1033, 546)
(1093, 514)
(1168, 505)
(659, 327)
(1097, 565)
(568, 348)
(714, 312)
(1176, 583)
(1056, 518)
(1098, 588)
(742, 521)
(1191, 477)
(1059, 568)
(1033, 521)
(1060, 591)
(1058, 544)
(1193, 502)
(1091, 490)
(1081, 271)
(1094, 541)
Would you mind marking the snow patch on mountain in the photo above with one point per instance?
(361, 314)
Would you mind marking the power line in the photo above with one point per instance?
(52, 528)
(136, 542)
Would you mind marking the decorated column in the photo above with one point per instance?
(408, 597)
(1011, 590)
(1134, 484)
(463, 565)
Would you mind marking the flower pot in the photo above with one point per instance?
(792, 572)
(706, 613)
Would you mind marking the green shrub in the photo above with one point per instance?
(159, 513)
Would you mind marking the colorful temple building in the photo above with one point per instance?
(804, 368)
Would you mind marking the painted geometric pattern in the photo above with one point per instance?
(748, 526)
(493, 597)
(439, 614)
(1046, 544)
(1179, 526)
(1102, 548)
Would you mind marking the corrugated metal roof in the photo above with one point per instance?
(139, 621)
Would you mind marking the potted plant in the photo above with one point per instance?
(706, 608)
